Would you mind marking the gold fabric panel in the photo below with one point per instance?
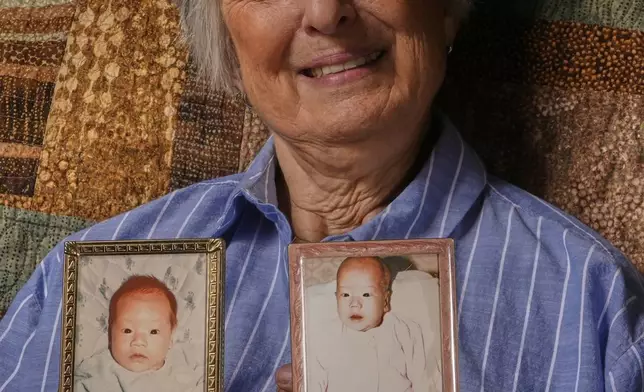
(108, 145)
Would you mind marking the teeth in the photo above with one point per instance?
(331, 69)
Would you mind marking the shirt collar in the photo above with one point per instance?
(434, 205)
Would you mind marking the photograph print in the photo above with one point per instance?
(373, 316)
(142, 316)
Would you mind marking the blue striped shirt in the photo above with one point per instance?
(544, 303)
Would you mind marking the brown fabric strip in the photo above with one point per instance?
(15, 150)
(24, 107)
(16, 167)
(8, 15)
(22, 202)
(560, 54)
(39, 53)
(41, 74)
(209, 131)
(17, 175)
(35, 26)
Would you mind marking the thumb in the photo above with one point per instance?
(284, 378)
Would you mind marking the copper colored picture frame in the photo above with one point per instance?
(192, 269)
(313, 268)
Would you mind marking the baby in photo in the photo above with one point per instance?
(142, 322)
(368, 348)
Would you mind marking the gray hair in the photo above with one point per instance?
(212, 48)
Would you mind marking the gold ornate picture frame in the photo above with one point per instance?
(355, 303)
(187, 272)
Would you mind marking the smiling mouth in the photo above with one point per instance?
(338, 68)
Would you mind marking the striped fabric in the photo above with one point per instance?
(544, 304)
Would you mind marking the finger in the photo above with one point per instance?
(284, 378)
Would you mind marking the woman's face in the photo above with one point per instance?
(390, 56)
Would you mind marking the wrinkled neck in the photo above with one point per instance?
(331, 190)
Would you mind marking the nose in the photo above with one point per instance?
(327, 16)
(139, 340)
(355, 302)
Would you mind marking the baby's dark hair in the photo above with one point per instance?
(385, 281)
(143, 284)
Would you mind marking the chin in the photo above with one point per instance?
(357, 122)
(134, 367)
(334, 118)
(347, 125)
(356, 326)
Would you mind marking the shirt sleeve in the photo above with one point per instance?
(30, 330)
(627, 373)
(622, 323)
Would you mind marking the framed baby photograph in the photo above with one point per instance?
(374, 316)
(143, 315)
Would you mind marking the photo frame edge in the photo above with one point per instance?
(444, 247)
(215, 250)
(68, 321)
(214, 350)
(297, 311)
(447, 284)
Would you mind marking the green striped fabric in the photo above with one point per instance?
(25, 238)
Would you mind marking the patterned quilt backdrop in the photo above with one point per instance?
(550, 92)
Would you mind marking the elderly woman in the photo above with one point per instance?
(359, 152)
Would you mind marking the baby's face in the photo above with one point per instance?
(361, 300)
(141, 333)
